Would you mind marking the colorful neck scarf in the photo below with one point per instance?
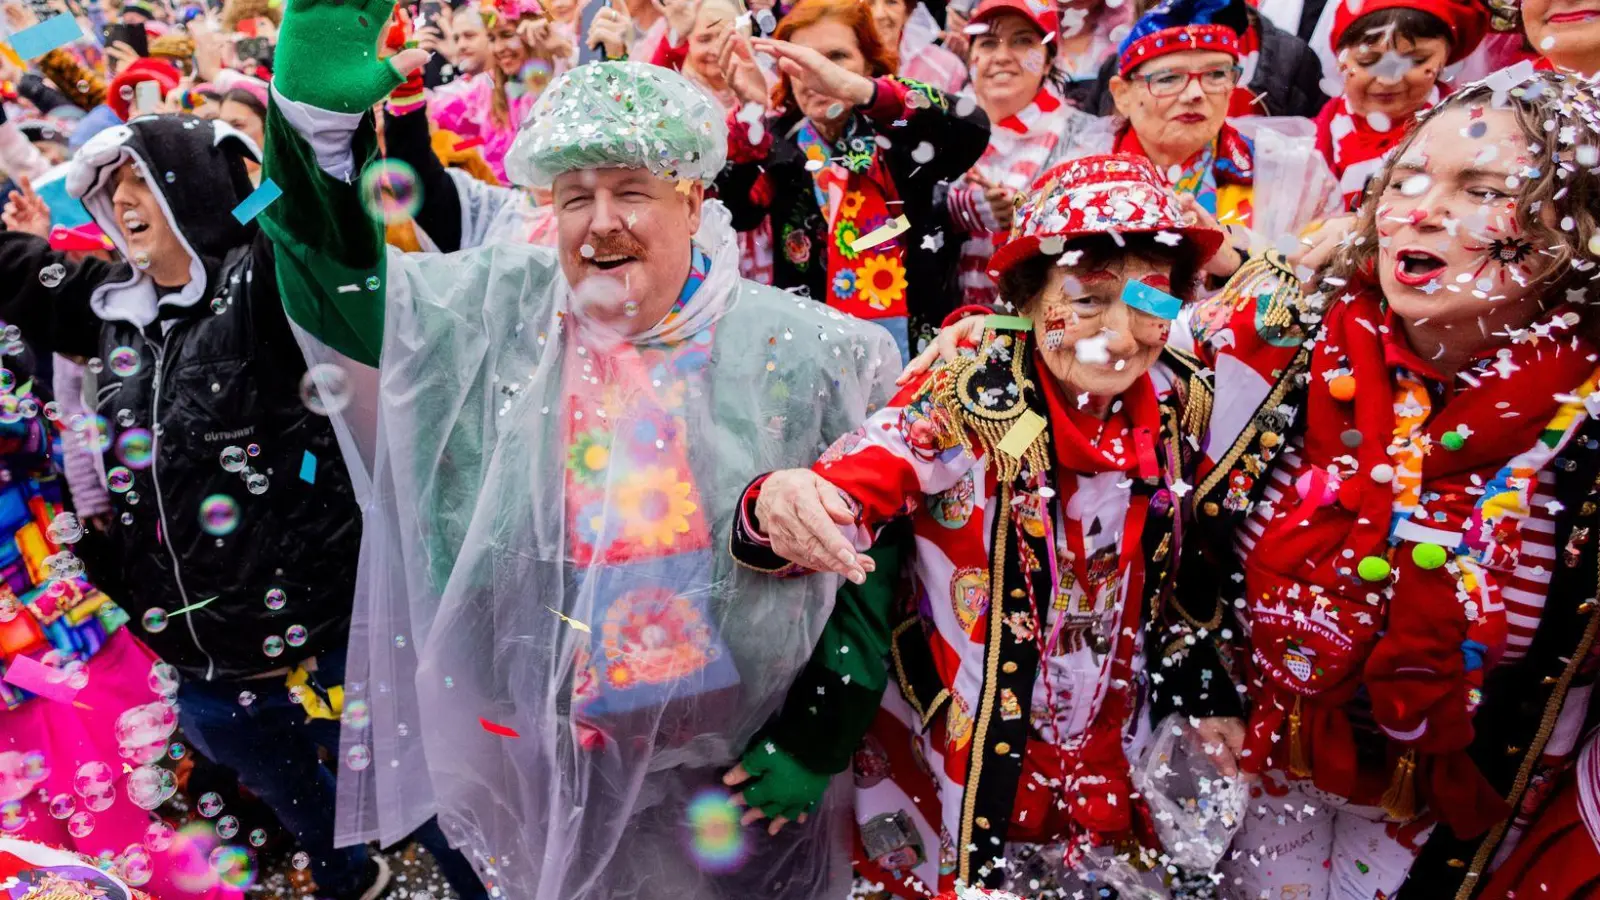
(1394, 498)
(1221, 175)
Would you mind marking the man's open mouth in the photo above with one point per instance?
(612, 261)
(133, 223)
(1417, 267)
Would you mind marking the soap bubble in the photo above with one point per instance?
(219, 514)
(91, 778)
(63, 566)
(134, 448)
(150, 786)
(272, 646)
(62, 806)
(390, 191)
(158, 836)
(119, 480)
(65, 529)
(301, 860)
(52, 275)
(358, 757)
(716, 839)
(232, 458)
(227, 827)
(296, 635)
(233, 866)
(81, 824)
(325, 388)
(258, 837)
(210, 804)
(276, 599)
(135, 866)
(154, 620)
(12, 818)
(163, 680)
(356, 713)
(256, 483)
(124, 361)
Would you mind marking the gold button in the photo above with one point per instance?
(1513, 751)
(982, 822)
(1456, 863)
(1551, 679)
(1002, 748)
(1586, 607)
(1009, 668)
(1018, 593)
(1270, 439)
(1210, 508)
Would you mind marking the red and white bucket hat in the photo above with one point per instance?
(1111, 193)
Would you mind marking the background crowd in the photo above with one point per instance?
(180, 534)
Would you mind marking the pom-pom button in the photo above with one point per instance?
(1373, 568)
(1343, 387)
(1428, 556)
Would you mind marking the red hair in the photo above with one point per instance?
(855, 15)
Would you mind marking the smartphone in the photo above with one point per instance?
(256, 48)
(132, 35)
(432, 11)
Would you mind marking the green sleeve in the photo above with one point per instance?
(833, 702)
(329, 252)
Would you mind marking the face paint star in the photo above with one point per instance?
(1431, 288)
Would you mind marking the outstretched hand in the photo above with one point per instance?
(25, 211)
(328, 54)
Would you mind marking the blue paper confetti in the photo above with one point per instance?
(1154, 301)
(259, 199)
(308, 468)
(37, 40)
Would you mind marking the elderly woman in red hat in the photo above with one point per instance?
(1043, 479)
(1177, 70)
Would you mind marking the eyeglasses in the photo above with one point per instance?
(1218, 80)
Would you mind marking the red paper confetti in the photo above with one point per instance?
(468, 144)
(501, 730)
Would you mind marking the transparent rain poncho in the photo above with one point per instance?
(552, 648)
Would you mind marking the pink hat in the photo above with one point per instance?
(1113, 193)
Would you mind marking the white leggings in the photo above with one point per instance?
(1298, 843)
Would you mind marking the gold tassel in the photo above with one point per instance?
(1299, 764)
(1400, 800)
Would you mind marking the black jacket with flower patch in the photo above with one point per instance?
(768, 180)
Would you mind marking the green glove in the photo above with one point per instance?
(327, 54)
(779, 786)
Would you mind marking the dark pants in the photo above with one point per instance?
(274, 748)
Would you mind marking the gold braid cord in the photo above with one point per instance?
(80, 85)
(976, 393)
(1269, 282)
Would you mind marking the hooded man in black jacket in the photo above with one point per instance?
(237, 531)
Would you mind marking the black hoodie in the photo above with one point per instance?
(217, 366)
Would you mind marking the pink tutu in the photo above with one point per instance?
(59, 741)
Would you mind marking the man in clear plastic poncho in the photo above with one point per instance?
(552, 648)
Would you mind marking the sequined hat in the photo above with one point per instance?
(1105, 194)
(1174, 26)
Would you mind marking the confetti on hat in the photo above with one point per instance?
(613, 115)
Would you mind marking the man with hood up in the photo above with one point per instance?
(560, 657)
(236, 527)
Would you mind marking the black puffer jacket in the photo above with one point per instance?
(217, 367)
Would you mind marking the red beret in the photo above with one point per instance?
(1467, 20)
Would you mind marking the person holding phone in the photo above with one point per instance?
(525, 51)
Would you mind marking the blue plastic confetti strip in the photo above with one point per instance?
(37, 40)
(259, 199)
(1154, 301)
(308, 468)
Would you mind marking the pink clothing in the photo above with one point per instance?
(69, 737)
(465, 106)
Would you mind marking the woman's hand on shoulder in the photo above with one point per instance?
(946, 346)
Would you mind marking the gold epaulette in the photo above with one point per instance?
(1268, 282)
(985, 399)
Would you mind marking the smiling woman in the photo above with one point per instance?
(1565, 32)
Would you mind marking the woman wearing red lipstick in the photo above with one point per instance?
(1176, 71)
(1045, 480)
(1565, 33)
(1408, 465)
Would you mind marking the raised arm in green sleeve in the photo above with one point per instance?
(329, 252)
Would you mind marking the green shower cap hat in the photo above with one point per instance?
(611, 115)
